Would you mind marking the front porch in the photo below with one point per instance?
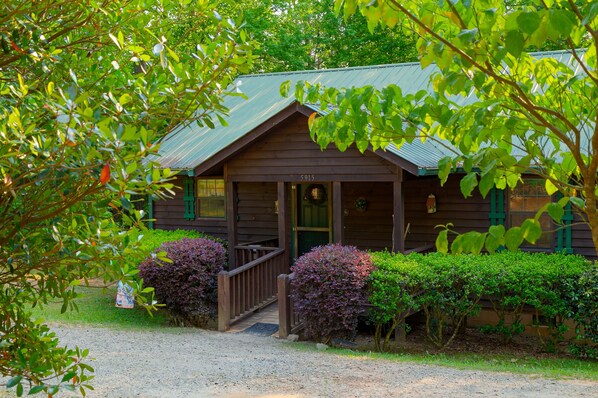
(250, 284)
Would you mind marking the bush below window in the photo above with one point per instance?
(188, 285)
(448, 289)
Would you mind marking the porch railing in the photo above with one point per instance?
(251, 251)
(249, 288)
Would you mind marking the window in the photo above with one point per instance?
(525, 201)
(210, 198)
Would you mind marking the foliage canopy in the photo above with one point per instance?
(88, 90)
(502, 111)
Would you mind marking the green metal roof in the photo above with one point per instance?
(188, 146)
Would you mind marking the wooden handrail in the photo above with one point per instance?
(256, 247)
(254, 263)
(259, 242)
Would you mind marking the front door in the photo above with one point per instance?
(312, 216)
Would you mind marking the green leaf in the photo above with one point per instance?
(442, 241)
(492, 244)
(497, 231)
(14, 381)
(555, 211)
(468, 35)
(562, 21)
(36, 389)
(551, 189)
(68, 376)
(513, 238)
(444, 168)
(590, 13)
(531, 230)
(578, 202)
(285, 88)
(528, 22)
(514, 43)
(486, 183)
(468, 183)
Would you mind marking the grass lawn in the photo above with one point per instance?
(96, 307)
(553, 368)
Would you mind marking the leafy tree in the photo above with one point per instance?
(300, 35)
(523, 114)
(87, 90)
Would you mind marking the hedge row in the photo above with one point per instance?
(448, 289)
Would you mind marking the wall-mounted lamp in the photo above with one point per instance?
(276, 207)
(431, 203)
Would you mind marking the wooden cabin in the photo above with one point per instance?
(266, 187)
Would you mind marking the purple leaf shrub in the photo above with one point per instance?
(329, 290)
(189, 285)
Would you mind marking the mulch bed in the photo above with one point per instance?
(470, 340)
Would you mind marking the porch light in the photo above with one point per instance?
(431, 203)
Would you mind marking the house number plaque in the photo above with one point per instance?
(308, 177)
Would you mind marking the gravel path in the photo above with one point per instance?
(197, 363)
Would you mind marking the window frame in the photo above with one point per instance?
(199, 198)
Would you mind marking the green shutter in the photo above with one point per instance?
(150, 212)
(497, 206)
(563, 237)
(189, 197)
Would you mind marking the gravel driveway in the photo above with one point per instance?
(198, 363)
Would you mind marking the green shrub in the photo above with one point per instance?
(452, 287)
(582, 304)
(393, 290)
(448, 289)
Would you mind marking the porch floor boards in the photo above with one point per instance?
(266, 315)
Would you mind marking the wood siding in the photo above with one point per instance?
(581, 239)
(169, 214)
(469, 214)
(256, 219)
(370, 229)
(289, 154)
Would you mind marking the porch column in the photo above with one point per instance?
(231, 220)
(283, 224)
(398, 206)
(338, 224)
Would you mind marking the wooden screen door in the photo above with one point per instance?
(312, 223)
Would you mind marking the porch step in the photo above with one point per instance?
(268, 315)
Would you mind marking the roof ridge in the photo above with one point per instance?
(380, 66)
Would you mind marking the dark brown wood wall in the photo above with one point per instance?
(581, 241)
(257, 219)
(289, 154)
(370, 229)
(469, 214)
(169, 215)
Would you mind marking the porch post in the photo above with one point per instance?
(337, 212)
(231, 220)
(398, 206)
(283, 225)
